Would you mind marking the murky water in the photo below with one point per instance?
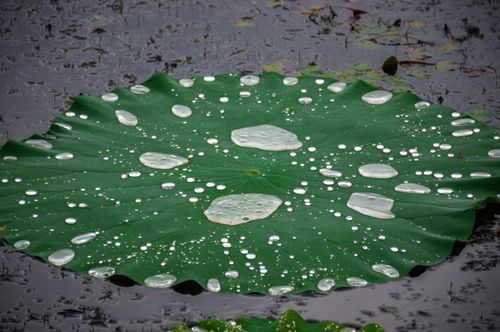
(54, 51)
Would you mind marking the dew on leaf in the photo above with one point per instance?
(126, 118)
(139, 89)
(305, 100)
(462, 122)
(181, 111)
(372, 205)
(64, 156)
(280, 290)
(213, 285)
(356, 282)
(387, 270)
(325, 285)
(290, 81)
(249, 80)
(377, 97)
(330, 173)
(337, 87)
(61, 257)
(495, 153)
(22, 244)
(377, 171)
(164, 280)
(462, 133)
(110, 97)
(102, 272)
(39, 143)
(412, 188)
(158, 160)
(265, 137)
(83, 238)
(232, 274)
(186, 82)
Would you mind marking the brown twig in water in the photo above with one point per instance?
(417, 40)
(415, 62)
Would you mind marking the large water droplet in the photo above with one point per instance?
(462, 132)
(232, 274)
(161, 160)
(110, 97)
(386, 270)
(213, 285)
(126, 118)
(31, 192)
(290, 81)
(186, 82)
(337, 87)
(495, 153)
(181, 111)
(265, 137)
(250, 80)
(61, 257)
(412, 188)
(160, 281)
(22, 244)
(39, 143)
(377, 171)
(242, 208)
(372, 205)
(83, 238)
(325, 285)
(280, 290)
(139, 89)
(305, 100)
(356, 282)
(422, 104)
(102, 272)
(330, 173)
(462, 122)
(480, 175)
(377, 97)
(64, 156)
(445, 190)
(168, 185)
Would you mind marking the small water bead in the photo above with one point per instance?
(163, 280)
(249, 80)
(232, 274)
(372, 205)
(220, 187)
(299, 191)
(377, 97)
(31, 192)
(456, 114)
(342, 146)
(61, 257)
(209, 78)
(265, 137)
(250, 256)
(158, 160)
(279, 290)
(445, 190)
(344, 184)
(330, 173)
(212, 141)
(102, 272)
(445, 147)
(83, 238)
(199, 190)
(168, 185)
(10, 158)
(241, 208)
(495, 153)
(126, 118)
(337, 87)
(245, 94)
(386, 270)
(213, 285)
(462, 122)
(462, 133)
(394, 249)
(274, 238)
(328, 182)
(223, 99)
(193, 199)
(110, 97)
(70, 220)
(139, 89)
(64, 156)
(412, 188)
(456, 175)
(305, 100)
(70, 114)
(39, 143)
(181, 111)
(377, 171)
(422, 104)
(325, 285)
(63, 125)
(356, 282)
(480, 175)
(22, 244)
(186, 82)
(290, 81)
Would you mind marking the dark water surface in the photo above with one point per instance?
(52, 51)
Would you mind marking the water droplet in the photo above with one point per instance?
(181, 111)
(213, 285)
(250, 256)
(462, 122)
(325, 285)
(245, 94)
(412, 188)
(386, 270)
(22, 244)
(344, 184)
(495, 153)
(319, 81)
(290, 81)
(305, 100)
(83, 238)
(168, 185)
(274, 238)
(64, 156)
(249, 80)
(337, 87)
(232, 274)
(280, 290)
(462, 133)
(372, 205)
(377, 171)
(212, 141)
(328, 182)
(61, 257)
(445, 147)
(63, 125)
(139, 89)
(422, 104)
(160, 281)
(102, 272)
(239, 209)
(70, 220)
(209, 78)
(186, 82)
(31, 192)
(356, 282)
(161, 160)
(126, 118)
(445, 190)
(39, 143)
(110, 97)
(265, 137)
(480, 175)
(377, 97)
(330, 173)
(223, 99)
(299, 191)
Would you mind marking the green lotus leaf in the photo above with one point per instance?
(290, 321)
(265, 184)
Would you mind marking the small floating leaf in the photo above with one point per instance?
(446, 65)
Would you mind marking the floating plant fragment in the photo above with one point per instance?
(265, 184)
